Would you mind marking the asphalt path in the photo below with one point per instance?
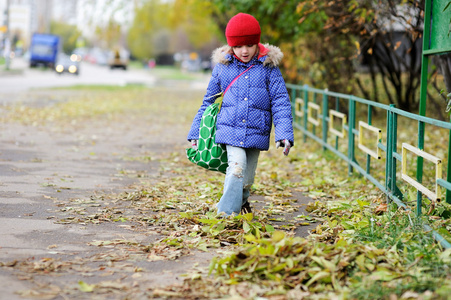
(42, 169)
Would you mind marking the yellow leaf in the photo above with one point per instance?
(383, 275)
(163, 293)
(357, 45)
(277, 236)
(318, 276)
(360, 261)
(300, 7)
(85, 287)
(370, 266)
(250, 238)
(324, 263)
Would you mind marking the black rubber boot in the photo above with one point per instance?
(246, 208)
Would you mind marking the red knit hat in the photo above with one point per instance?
(243, 29)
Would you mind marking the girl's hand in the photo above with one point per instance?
(194, 144)
(286, 144)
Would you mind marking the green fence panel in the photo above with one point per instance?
(393, 158)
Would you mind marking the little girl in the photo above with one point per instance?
(256, 99)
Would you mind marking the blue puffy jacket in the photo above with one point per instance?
(255, 99)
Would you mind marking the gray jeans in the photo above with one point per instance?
(239, 179)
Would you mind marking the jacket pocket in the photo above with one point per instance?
(255, 119)
(260, 120)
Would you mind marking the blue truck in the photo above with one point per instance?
(44, 50)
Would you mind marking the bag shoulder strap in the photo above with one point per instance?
(233, 81)
(221, 94)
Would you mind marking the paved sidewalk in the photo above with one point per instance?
(17, 67)
(36, 168)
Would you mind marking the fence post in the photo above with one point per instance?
(368, 157)
(420, 166)
(305, 110)
(393, 187)
(351, 139)
(390, 164)
(448, 170)
(294, 93)
(423, 95)
(325, 112)
(389, 153)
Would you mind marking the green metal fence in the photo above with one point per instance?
(335, 121)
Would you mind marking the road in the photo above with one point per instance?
(21, 78)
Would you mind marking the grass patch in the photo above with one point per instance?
(102, 87)
(77, 105)
(363, 249)
(174, 73)
(135, 64)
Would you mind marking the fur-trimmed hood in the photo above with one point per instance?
(272, 55)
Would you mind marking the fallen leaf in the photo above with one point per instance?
(381, 209)
(85, 287)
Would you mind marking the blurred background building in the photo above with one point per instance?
(158, 31)
(20, 18)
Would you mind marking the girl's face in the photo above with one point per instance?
(246, 52)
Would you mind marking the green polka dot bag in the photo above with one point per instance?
(209, 155)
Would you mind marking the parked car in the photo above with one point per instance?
(81, 53)
(190, 61)
(97, 56)
(67, 64)
(118, 58)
